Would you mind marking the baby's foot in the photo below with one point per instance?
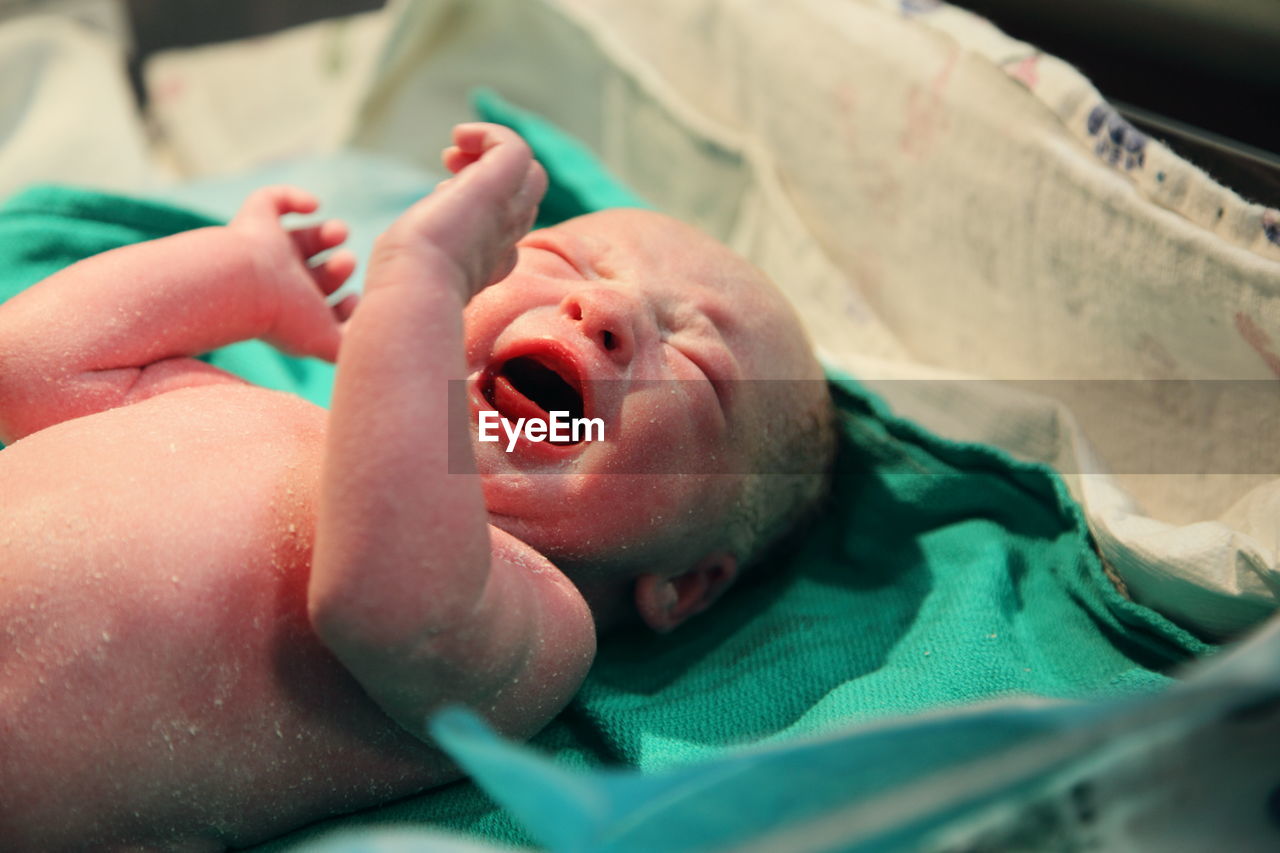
(474, 219)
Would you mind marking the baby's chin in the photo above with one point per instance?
(572, 531)
(531, 508)
(584, 558)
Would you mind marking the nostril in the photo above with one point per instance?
(574, 309)
(608, 340)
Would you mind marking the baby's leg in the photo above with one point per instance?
(407, 587)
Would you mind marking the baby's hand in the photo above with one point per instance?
(298, 320)
(473, 220)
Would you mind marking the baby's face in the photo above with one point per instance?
(648, 325)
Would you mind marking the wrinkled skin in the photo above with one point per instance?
(227, 612)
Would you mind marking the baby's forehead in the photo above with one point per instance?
(663, 253)
(630, 220)
(648, 237)
(666, 251)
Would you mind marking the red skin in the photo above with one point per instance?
(228, 612)
(252, 650)
(661, 322)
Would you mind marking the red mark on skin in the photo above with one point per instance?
(1255, 337)
(1025, 70)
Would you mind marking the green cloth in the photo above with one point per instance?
(578, 182)
(940, 574)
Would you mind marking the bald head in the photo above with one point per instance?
(787, 425)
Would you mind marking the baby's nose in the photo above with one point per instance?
(609, 317)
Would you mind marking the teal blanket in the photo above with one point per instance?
(941, 574)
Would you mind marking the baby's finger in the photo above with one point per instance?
(455, 159)
(534, 185)
(274, 201)
(293, 200)
(345, 308)
(505, 155)
(474, 137)
(479, 138)
(334, 272)
(317, 238)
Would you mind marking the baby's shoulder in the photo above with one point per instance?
(510, 552)
(515, 551)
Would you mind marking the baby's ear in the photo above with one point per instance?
(665, 601)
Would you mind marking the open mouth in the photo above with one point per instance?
(530, 386)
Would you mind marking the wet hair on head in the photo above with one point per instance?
(789, 482)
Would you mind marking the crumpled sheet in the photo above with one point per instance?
(1191, 768)
(943, 204)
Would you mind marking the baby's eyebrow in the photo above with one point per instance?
(601, 257)
(590, 257)
(538, 241)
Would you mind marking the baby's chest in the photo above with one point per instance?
(154, 567)
(177, 498)
(158, 532)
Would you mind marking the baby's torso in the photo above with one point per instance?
(155, 652)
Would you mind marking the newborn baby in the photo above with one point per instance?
(228, 612)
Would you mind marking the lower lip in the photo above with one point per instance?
(524, 446)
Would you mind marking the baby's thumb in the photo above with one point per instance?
(319, 337)
(327, 344)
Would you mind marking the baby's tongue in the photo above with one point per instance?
(513, 405)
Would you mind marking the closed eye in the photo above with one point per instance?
(718, 386)
(545, 243)
(561, 257)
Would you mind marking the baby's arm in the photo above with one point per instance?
(422, 601)
(122, 326)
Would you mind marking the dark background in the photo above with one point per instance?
(1206, 85)
(160, 24)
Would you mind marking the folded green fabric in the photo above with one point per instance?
(939, 575)
(46, 228)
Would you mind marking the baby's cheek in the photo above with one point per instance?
(479, 323)
(634, 509)
(488, 315)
